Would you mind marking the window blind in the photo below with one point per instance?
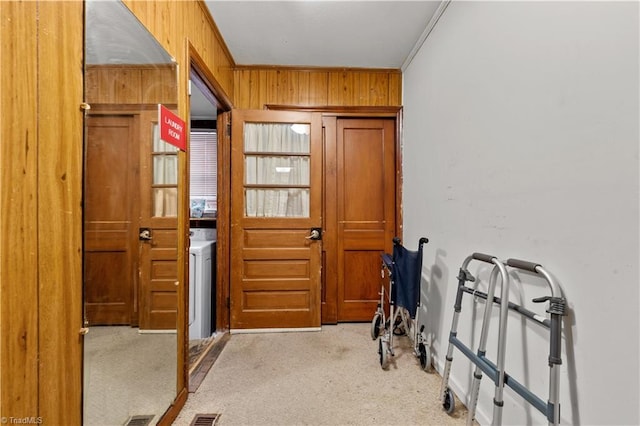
(203, 168)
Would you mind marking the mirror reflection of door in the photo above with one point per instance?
(130, 183)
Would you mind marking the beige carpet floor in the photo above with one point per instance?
(127, 373)
(330, 377)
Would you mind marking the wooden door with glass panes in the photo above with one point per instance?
(276, 219)
(158, 228)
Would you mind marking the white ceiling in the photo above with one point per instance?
(322, 33)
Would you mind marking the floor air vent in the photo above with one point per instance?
(139, 420)
(204, 420)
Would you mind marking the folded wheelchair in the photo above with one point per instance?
(402, 299)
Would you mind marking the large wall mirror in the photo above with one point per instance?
(130, 222)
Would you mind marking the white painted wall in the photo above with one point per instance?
(521, 140)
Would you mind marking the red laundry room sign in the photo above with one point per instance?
(172, 128)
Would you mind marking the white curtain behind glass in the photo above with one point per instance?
(267, 137)
(165, 172)
(276, 170)
(165, 169)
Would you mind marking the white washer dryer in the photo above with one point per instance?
(200, 288)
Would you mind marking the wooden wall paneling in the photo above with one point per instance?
(173, 22)
(341, 88)
(141, 9)
(18, 211)
(165, 16)
(362, 88)
(198, 21)
(271, 85)
(243, 86)
(379, 89)
(191, 14)
(257, 87)
(334, 89)
(395, 89)
(281, 89)
(224, 64)
(220, 61)
(303, 88)
(318, 88)
(92, 85)
(245, 96)
(261, 88)
(113, 84)
(288, 84)
(127, 84)
(159, 84)
(368, 90)
(127, 87)
(237, 77)
(59, 211)
(351, 88)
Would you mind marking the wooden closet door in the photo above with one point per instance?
(365, 211)
(111, 222)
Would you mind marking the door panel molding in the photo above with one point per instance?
(276, 268)
(111, 212)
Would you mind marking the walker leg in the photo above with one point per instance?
(498, 401)
(444, 388)
(482, 346)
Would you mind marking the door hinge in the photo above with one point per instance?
(228, 130)
(228, 302)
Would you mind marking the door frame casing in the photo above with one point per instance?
(223, 217)
(192, 58)
(329, 277)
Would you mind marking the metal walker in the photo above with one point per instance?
(496, 372)
(556, 309)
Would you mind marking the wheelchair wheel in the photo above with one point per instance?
(449, 401)
(375, 325)
(384, 354)
(425, 357)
